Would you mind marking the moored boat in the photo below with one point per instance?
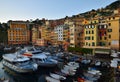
(50, 79)
(42, 60)
(18, 63)
(57, 76)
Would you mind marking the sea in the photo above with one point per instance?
(38, 76)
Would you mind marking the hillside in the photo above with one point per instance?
(114, 5)
(107, 11)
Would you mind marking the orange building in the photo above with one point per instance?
(18, 33)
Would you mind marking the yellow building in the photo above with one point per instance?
(96, 36)
(102, 32)
(53, 38)
(114, 31)
(18, 33)
(46, 31)
(90, 31)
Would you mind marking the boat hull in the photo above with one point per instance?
(17, 69)
(46, 65)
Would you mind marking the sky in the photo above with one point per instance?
(48, 9)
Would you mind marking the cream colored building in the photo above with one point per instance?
(114, 31)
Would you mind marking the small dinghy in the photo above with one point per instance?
(57, 76)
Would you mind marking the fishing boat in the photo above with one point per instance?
(18, 63)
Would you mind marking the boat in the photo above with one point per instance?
(92, 74)
(57, 76)
(97, 63)
(86, 61)
(43, 60)
(18, 63)
(73, 65)
(50, 79)
(7, 48)
(32, 50)
(68, 70)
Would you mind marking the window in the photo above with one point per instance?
(92, 26)
(105, 33)
(89, 32)
(105, 38)
(109, 30)
(105, 26)
(99, 26)
(109, 36)
(87, 38)
(92, 31)
(93, 44)
(89, 26)
(89, 44)
(109, 24)
(113, 17)
(86, 26)
(92, 37)
(94, 21)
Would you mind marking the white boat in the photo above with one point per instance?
(32, 50)
(68, 70)
(114, 55)
(18, 63)
(92, 74)
(97, 63)
(86, 61)
(7, 48)
(50, 79)
(42, 60)
(73, 65)
(56, 76)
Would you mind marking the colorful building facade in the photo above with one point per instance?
(18, 33)
(114, 31)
